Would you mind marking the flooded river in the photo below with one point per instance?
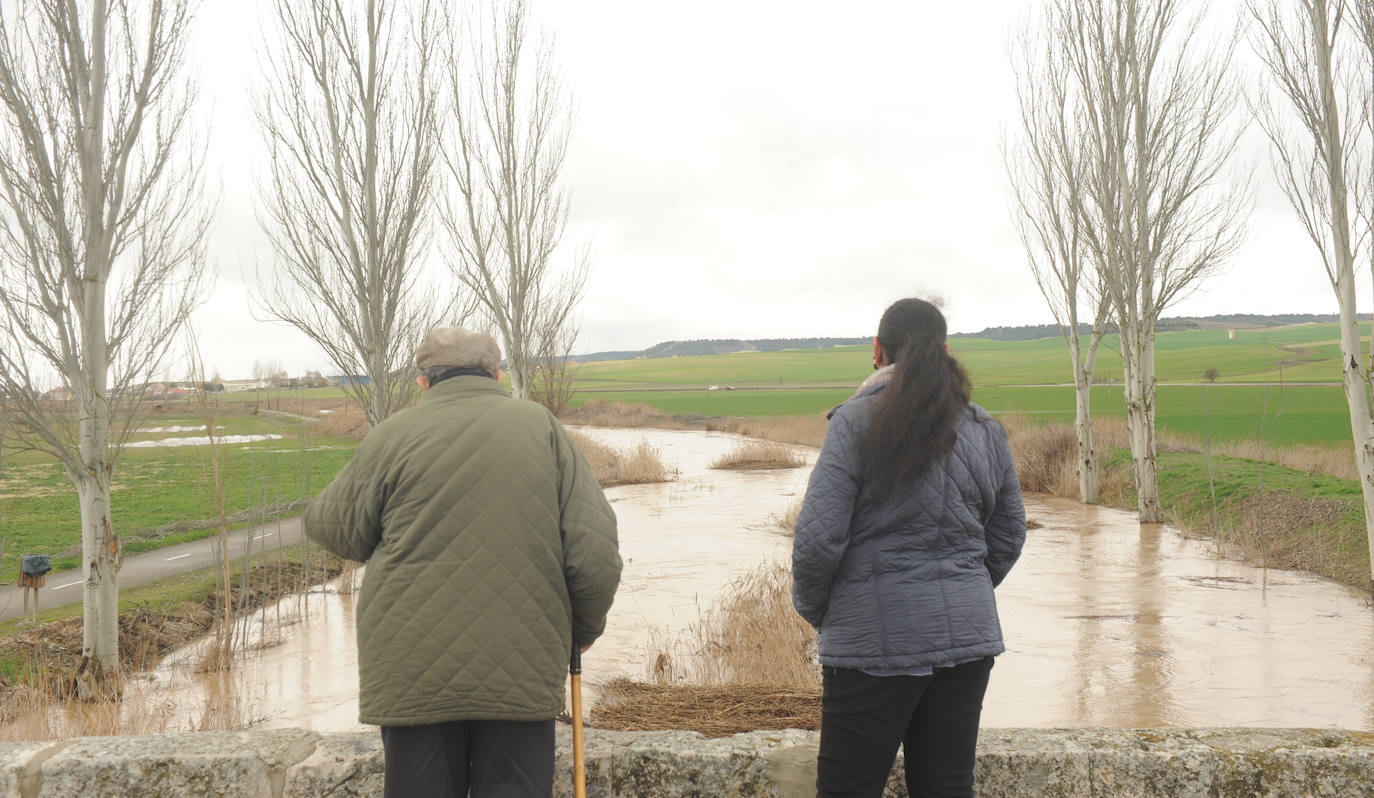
(1107, 623)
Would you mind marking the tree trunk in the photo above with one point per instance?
(99, 675)
(519, 379)
(1137, 358)
(1082, 365)
(1143, 436)
(1083, 430)
(378, 394)
(1356, 385)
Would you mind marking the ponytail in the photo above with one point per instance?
(915, 418)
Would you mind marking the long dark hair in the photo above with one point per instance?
(915, 416)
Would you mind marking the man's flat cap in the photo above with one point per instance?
(455, 347)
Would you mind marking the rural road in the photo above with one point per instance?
(64, 587)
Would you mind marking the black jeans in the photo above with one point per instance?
(864, 718)
(490, 758)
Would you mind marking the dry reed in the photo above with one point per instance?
(1279, 529)
(752, 635)
(747, 664)
(345, 420)
(41, 703)
(715, 711)
(787, 519)
(801, 430)
(596, 413)
(759, 456)
(1111, 433)
(612, 466)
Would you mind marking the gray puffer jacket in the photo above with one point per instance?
(908, 582)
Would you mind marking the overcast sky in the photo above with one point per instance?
(752, 169)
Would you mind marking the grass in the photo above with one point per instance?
(1025, 377)
(1303, 352)
(157, 491)
(38, 661)
(747, 665)
(1297, 520)
(787, 519)
(612, 466)
(759, 456)
(784, 401)
(1290, 413)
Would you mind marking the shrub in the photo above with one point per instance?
(637, 466)
(751, 666)
(760, 455)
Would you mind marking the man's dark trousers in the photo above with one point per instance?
(477, 758)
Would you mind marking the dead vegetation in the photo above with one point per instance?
(596, 413)
(612, 466)
(787, 519)
(344, 419)
(713, 711)
(760, 456)
(801, 430)
(747, 664)
(1278, 530)
(39, 701)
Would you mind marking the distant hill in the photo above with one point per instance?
(725, 346)
(1239, 321)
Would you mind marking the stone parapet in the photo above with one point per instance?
(1012, 763)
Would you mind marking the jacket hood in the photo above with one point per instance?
(876, 382)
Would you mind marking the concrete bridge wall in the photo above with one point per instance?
(1015, 763)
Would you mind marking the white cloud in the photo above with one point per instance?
(756, 169)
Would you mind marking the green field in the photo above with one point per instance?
(1281, 383)
(1299, 353)
(158, 489)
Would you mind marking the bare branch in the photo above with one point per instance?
(348, 108)
(507, 214)
(103, 222)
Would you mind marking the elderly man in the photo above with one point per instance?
(491, 551)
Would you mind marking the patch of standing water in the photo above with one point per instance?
(202, 440)
(1108, 623)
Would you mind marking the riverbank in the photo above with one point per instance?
(38, 661)
(1143, 625)
(1286, 507)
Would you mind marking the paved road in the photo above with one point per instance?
(64, 587)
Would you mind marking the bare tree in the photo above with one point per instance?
(1320, 56)
(1161, 210)
(1046, 164)
(348, 111)
(512, 120)
(553, 381)
(268, 372)
(102, 244)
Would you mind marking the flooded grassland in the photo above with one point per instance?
(1107, 623)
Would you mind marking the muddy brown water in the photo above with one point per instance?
(1108, 623)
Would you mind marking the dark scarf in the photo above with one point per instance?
(460, 372)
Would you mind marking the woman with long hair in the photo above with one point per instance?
(912, 516)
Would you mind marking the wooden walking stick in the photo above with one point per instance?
(579, 764)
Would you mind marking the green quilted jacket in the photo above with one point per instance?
(489, 549)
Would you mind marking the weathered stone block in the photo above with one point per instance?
(224, 764)
(20, 763)
(341, 766)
